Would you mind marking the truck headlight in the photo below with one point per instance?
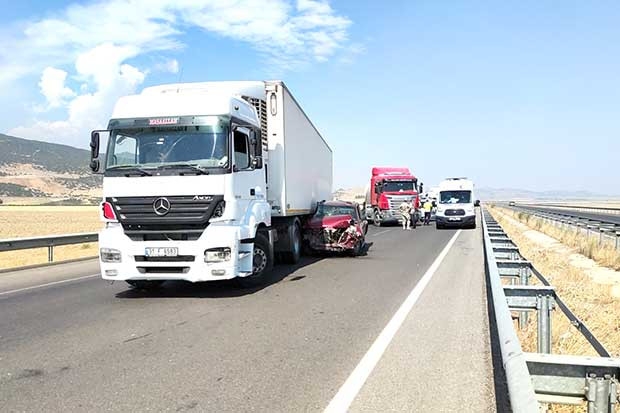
(217, 255)
(110, 255)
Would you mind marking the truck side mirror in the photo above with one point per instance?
(95, 141)
(94, 145)
(95, 165)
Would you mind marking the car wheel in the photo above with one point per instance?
(145, 284)
(262, 264)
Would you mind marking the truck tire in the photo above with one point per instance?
(293, 256)
(261, 266)
(376, 218)
(145, 284)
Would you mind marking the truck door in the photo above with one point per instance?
(248, 179)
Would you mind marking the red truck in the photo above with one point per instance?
(389, 187)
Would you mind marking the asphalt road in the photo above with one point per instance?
(597, 216)
(76, 345)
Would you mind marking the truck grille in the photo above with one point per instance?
(395, 201)
(455, 212)
(185, 219)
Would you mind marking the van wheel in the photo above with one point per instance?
(145, 284)
(262, 264)
(293, 256)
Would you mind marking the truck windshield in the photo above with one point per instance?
(203, 146)
(455, 197)
(397, 186)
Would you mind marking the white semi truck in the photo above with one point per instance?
(455, 206)
(207, 181)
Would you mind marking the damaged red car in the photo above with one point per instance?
(336, 226)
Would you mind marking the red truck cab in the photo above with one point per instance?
(389, 187)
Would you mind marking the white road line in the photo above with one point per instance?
(379, 233)
(48, 284)
(352, 386)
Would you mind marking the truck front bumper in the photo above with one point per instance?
(188, 265)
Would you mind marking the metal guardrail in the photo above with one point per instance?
(48, 242)
(541, 377)
(603, 228)
(605, 210)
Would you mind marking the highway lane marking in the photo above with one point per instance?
(352, 386)
(48, 284)
(379, 233)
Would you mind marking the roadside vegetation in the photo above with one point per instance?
(604, 253)
(31, 221)
(593, 302)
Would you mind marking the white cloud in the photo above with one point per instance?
(53, 87)
(169, 66)
(92, 44)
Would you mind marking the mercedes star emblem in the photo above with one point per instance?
(161, 206)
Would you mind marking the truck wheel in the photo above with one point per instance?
(261, 265)
(293, 256)
(145, 284)
(376, 218)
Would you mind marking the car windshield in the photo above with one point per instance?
(204, 146)
(455, 197)
(398, 186)
(334, 210)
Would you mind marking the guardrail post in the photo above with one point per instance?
(601, 394)
(544, 307)
(524, 276)
(50, 253)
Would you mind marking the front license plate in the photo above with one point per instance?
(454, 219)
(161, 252)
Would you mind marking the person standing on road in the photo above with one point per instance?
(414, 213)
(405, 212)
(428, 208)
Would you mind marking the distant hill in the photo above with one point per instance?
(30, 168)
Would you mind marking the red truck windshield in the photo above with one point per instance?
(397, 186)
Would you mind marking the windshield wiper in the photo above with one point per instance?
(192, 167)
(131, 170)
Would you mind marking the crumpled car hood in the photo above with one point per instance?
(337, 221)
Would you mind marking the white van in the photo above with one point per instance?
(455, 204)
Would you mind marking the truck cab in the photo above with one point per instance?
(455, 206)
(195, 182)
(389, 187)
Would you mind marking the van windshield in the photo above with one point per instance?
(204, 146)
(455, 197)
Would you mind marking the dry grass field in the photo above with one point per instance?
(592, 302)
(605, 253)
(31, 221)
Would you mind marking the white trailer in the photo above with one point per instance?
(207, 181)
(455, 206)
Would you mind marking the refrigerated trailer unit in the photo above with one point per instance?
(207, 181)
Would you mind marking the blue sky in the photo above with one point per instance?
(522, 94)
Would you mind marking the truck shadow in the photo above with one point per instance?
(217, 289)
